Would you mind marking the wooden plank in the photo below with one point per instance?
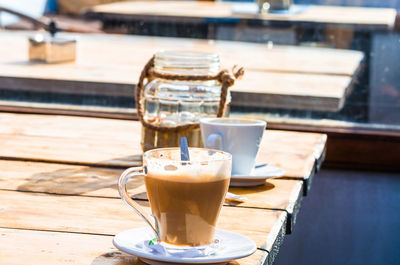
(298, 77)
(107, 216)
(62, 179)
(292, 91)
(20, 247)
(314, 146)
(277, 194)
(283, 90)
(278, 150)
(102, 58)
(76, 7)
(68, 109)
(357, 17)
(116, 143)
(194, 11)
(285, 194)
(71, 140)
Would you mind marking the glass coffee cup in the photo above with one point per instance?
(185, 196)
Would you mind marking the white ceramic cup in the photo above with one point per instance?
(240, 137)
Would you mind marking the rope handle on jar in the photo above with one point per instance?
(226, 79)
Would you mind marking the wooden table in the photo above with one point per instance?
(332, 26)
(58, 195)
(285, 77)
(228, 12)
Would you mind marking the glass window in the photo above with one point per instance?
(347, 71)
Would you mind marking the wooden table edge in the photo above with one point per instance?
(280, 231)
(295, 204)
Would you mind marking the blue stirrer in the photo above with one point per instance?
(184, 149)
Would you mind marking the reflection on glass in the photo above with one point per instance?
(372, 97)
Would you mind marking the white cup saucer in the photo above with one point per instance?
(256, 177)
(232, 246)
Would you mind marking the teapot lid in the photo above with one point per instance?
(187, 62)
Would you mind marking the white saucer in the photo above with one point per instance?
(256, 177)
(233, 246)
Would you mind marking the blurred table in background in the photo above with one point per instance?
(205, 11)
(285, 77)
(208, 19)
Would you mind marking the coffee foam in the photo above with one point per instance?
(196, 154)
(203, 167)
(191, 173)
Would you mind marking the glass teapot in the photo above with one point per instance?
(181, 88)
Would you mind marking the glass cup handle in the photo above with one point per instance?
(122, 181)
(214, 141)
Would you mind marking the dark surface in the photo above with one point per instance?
(349, 217)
